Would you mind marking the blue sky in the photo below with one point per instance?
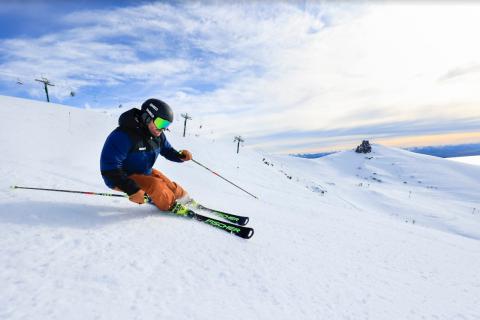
(304, 76)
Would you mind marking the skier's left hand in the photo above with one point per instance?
(185, 155)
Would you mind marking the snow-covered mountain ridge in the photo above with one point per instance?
(386, 235)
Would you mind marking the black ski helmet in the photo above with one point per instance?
(154, 108)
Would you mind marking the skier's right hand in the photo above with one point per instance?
(138, 197)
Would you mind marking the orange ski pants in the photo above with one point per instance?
(161, 189)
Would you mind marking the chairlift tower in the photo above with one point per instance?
(46, 83)
(238, 139)
(186, 117)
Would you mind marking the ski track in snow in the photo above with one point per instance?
(388, 235)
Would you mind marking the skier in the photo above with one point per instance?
(128, 155)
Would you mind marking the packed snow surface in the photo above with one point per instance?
(471, 159)
(385, 235)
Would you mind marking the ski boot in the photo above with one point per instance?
(180, 209)
(187, 201)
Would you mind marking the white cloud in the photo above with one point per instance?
(260, 68)
(389, 58)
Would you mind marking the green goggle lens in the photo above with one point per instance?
(161, 123)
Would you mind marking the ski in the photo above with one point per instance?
(240, 220)
(239, 231)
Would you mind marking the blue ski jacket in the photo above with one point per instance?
(131, 149)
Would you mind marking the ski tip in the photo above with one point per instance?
(241, 222)
(13, 187)
(250, 233)
(246, 233)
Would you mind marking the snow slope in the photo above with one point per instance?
(388, 235)
(470, 160)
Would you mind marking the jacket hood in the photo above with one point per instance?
(130, 119)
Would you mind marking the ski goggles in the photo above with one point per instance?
(161, 123)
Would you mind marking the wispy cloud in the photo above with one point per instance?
(297, 141)
(460, 72)
(262, 69)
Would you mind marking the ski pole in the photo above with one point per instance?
(223, 178)
(73, 191)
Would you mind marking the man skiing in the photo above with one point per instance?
(130, 151)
